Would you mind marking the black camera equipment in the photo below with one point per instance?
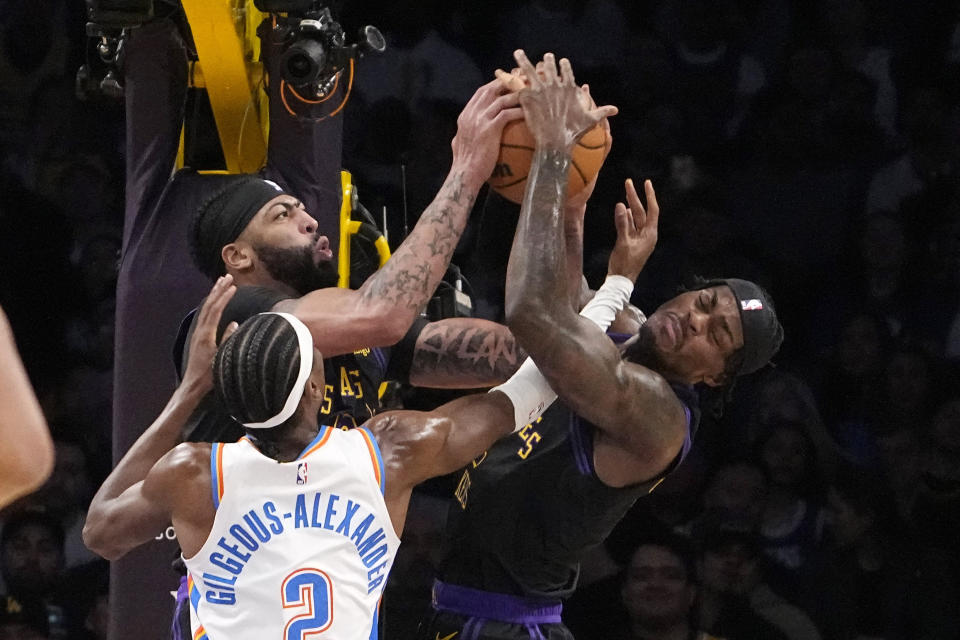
(450, 300)
(317, 49)
(108, 25)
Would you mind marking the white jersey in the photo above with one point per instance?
(297, 549)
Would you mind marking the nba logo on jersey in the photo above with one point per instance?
(302, 473)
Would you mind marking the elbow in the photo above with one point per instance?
(388, 322)
(96, 539)
(91, 536)
(525, 318)
(396, 325)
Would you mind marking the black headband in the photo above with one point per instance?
(762, 332)
(223, 218)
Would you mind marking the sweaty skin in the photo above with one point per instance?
(158, 481)
(384, 308)
(641, 423)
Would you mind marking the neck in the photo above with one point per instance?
(632, 351)
(259, 278)
(286, 445)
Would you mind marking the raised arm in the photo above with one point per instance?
(580, 362)
(418, 445)
(381, 311)
(26, 451)
(464, 353)
(120, 515)
(575, 205)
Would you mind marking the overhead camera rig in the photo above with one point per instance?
(316, 57)
(316, 48)
(109, 23)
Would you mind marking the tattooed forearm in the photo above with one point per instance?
(537, 279)
(411, 275)
(465, 352)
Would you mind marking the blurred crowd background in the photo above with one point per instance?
(811, 146)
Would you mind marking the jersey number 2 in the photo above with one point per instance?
(308, 589)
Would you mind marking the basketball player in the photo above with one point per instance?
(528, 508)
(294, 527)
(26, 450)
(271, 245)
(304, 158)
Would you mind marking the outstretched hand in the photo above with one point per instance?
(576, 202)
(636, 232)
(480, 127)
(203, 343)
(556, 110)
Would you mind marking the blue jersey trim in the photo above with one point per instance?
(375, 627)
(376, 449)
(381, 359)
(320, 434)
(214, 476)
(582, 445)
(688, 439)
(194, 597)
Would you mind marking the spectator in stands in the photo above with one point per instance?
(659, 592)
(735, 602)
(32, 564)
(856, 589)
(792, 521)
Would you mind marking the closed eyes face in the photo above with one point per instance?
(692, 335)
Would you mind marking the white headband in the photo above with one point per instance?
(305, 342)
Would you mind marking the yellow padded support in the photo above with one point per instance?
(225, 38)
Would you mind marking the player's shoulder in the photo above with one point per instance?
(631, 374)
(187, 459)
(186, 465)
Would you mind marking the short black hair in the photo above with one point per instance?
(678, 545)
(20, 521)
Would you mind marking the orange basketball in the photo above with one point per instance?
(509, 177)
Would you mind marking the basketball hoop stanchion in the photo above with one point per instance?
(350, 227)
(230, 70)
(228, 49)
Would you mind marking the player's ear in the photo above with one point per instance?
(237, 256)
(315, 383)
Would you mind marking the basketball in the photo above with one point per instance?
(509, 177)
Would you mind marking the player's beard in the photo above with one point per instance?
(644, 351)
(295, 267)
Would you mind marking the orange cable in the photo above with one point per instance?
(286, 105)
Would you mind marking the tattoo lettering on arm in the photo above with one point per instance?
(411, 275)
(465, 352)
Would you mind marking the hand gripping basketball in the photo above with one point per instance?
(517, 144)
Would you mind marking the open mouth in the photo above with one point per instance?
(321, 250)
